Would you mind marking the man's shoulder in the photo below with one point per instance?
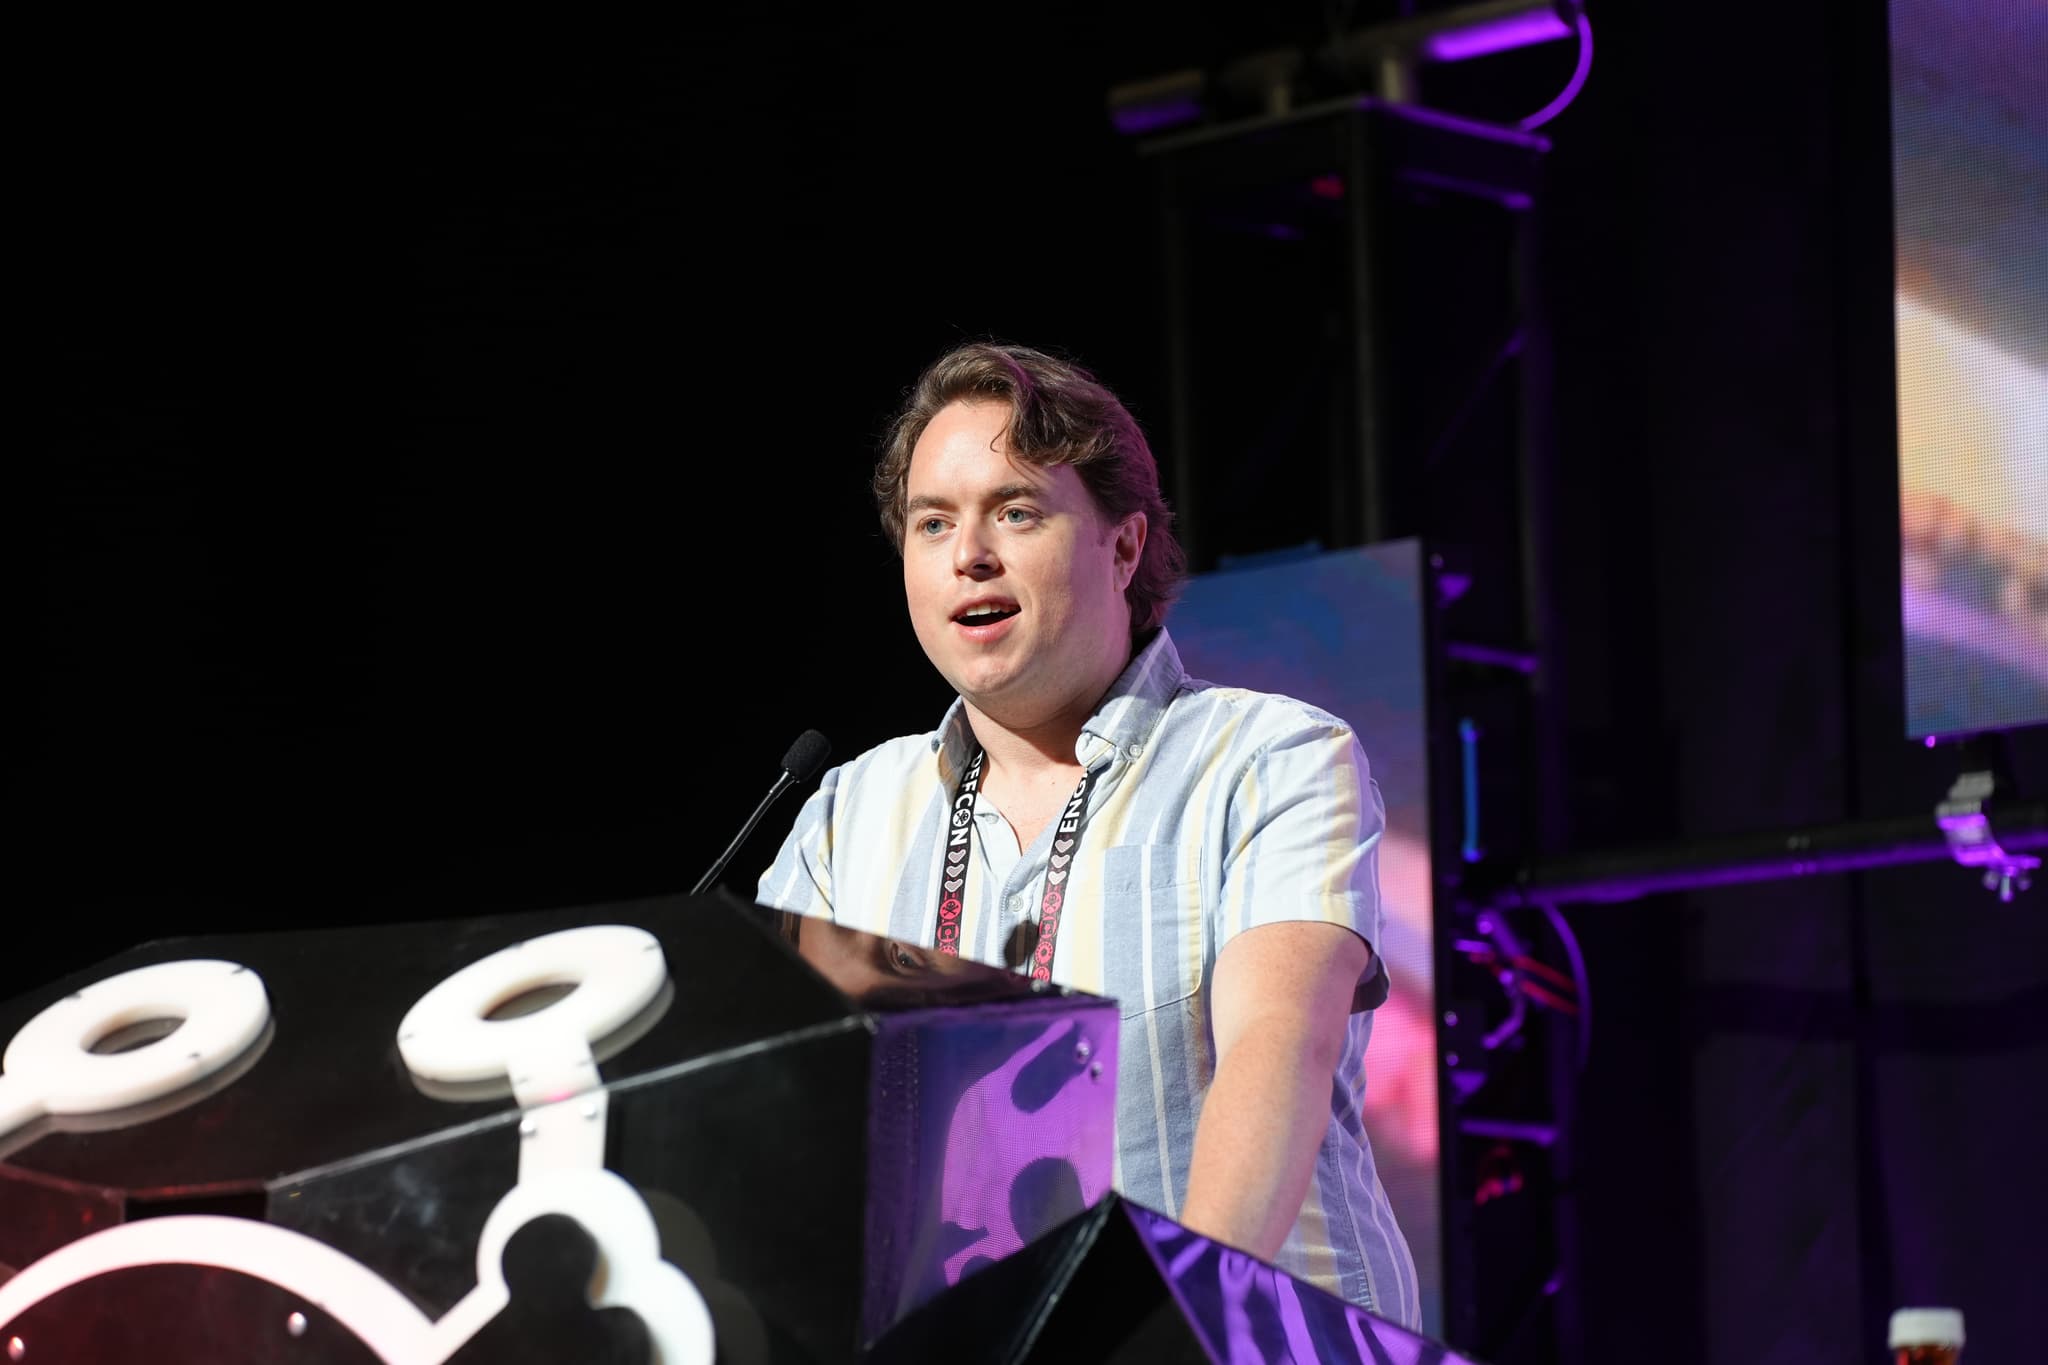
(893, 760)
(1268, 715)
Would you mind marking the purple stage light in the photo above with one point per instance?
(1497, 35)
(1132, 120)
(1572, 86)
(1621, 887)
(1456, 123)
(1520, 660)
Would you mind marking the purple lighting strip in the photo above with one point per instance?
(1520, 660)
(1572, 86)
(1769, 858)
(1497, 35)
(1145, 118)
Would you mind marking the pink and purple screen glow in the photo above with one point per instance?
(1343, 631)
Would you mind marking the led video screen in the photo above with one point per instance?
(1970, 201)
(1343, 631)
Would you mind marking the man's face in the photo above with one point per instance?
(1014, 580)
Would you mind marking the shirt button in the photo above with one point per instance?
(1135, 750)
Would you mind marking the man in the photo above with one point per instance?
(1207, 856)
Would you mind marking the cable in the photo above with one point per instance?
(1549, 999)
(1572, 86)
(1581, 983)
(1543, 969)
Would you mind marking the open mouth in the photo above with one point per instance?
(987, 614)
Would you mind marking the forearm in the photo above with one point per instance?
(1256, 1142)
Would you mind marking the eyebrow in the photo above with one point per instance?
(1002, 494)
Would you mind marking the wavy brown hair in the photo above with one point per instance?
(1059, 414)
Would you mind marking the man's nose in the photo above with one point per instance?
(974, 552)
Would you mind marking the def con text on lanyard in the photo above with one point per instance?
(960, 853)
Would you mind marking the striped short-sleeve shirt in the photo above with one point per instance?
(1215, 810)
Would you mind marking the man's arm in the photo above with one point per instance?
(1278, 1002)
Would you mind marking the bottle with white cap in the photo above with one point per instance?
(1927, 1336)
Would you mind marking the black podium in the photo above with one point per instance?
(660, 1131)
(827, 1129)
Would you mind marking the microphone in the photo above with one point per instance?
(805, 757)
(800, 764)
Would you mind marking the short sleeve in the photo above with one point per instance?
(1302, 841)
(800, 878)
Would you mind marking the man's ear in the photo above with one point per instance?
(1130, 548)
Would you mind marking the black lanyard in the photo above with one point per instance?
(960, 854)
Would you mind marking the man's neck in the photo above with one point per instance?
(1026, 751)
(1026, 754)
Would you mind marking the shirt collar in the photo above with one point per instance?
(1123, 721)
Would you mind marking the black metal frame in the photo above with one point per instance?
(1385, 472)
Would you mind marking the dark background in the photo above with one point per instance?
(457, 502)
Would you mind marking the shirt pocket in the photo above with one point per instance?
(1154, 933)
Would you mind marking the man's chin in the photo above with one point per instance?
(981, 674)
(985, 693)
(996, 693)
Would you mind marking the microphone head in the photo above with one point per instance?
(807, 755)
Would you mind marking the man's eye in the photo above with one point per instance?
(900, 958)
(930, 526)
(1016, 516)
